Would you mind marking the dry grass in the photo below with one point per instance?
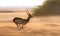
(42, 26)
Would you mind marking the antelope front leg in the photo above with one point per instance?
(21, 27)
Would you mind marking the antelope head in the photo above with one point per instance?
(29, 14)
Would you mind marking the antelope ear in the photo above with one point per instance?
(27, 12)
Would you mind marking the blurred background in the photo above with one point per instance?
(46, 21)
(11, 8)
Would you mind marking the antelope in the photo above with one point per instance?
(20, 22)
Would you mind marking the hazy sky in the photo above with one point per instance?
(6, 3)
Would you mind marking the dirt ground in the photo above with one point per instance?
(42, 26)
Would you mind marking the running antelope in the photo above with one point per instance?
(21, 22)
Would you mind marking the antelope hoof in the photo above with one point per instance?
(21, 28)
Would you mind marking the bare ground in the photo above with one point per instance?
(41, 27)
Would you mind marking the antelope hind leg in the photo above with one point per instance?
(18, 27)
